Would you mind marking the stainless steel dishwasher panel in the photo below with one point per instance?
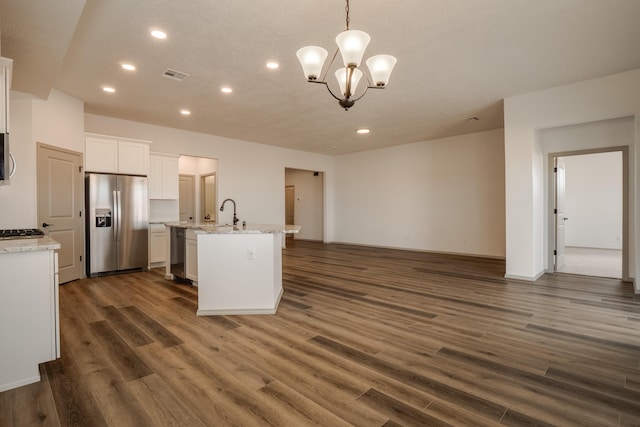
(177, 252)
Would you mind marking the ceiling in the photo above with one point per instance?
(456, 59)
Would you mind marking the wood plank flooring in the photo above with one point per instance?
(363, 336)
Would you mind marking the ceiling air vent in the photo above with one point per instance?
(175, 75)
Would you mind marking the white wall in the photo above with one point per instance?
(525, 116)
(444, 195)
(57, 121)
(309, 201)
(594, 200)
(17, 200)
(251, 174)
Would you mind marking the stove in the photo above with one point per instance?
(21, 233)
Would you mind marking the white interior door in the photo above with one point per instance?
(60, 205)
(560, 212)
(186, 193)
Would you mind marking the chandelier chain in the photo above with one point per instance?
(346, 9)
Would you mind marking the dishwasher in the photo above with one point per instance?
(177, 252)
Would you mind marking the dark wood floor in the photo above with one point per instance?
(363, 336)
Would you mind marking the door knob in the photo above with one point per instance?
(45, 225)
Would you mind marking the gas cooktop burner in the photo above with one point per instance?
(21, 233)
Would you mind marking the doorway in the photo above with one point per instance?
(204, 188)
(60, 205)
(186, 199)
(208, 197)
(304, 195)
(289, 207)
(590, 210)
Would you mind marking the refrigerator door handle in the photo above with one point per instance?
(115, 215)
(119, 214)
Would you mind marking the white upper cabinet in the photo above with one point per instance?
(163, 176)
(101, 154)
(133, 157)
(116, 155)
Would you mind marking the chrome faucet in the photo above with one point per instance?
(235, 218)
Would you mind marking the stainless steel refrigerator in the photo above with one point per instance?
(117, 221)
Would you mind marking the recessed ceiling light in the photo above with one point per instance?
(363, 131)
(108, 89)
(159, 34)
(272, 65)
(129, 67)
(185, 112)
(226, 89)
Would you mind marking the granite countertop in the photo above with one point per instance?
(239, 229)
(28, 245)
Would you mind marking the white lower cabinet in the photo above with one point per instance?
(191, 256)
(157, 245)
(29, 324)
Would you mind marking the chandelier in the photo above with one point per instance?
(351, 44)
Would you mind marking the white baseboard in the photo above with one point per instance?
(231, 312)
(25, 381)
(525, 278)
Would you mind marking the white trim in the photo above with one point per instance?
(525, 278)
(551, 226)
(404, 248)
(25, 381)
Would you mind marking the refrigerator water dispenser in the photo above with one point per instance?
(103, 217)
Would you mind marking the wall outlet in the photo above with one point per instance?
(251, 253)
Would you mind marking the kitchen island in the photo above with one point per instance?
(29, 320)
(239, 268)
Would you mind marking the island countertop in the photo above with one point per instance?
(238, 229)
(28, 245)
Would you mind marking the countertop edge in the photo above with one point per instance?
(229, 229)
(28, 245)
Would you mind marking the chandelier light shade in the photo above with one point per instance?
(380, 67)
(352, 45)
(348, 85)
(312, 59)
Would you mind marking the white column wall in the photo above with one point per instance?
(525, 115)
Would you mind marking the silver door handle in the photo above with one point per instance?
(119, 213)
(115, 217)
